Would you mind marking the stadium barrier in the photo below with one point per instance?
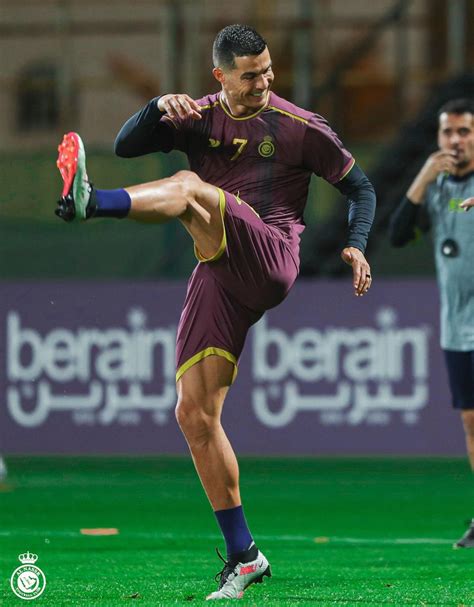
(89, 368)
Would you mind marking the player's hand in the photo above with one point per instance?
(439, 162)
(467, 204)
(360, 269)
(179, 106)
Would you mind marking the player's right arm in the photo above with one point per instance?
(439, 162)
(155, 127)
(405, 220)
(409, 215)
(179, 106)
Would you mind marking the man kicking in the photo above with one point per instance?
(251, 156)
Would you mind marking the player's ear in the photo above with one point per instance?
(218, 74)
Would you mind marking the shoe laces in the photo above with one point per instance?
(225, 572)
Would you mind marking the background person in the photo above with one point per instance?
(435, 199)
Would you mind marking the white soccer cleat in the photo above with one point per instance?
(234, 579)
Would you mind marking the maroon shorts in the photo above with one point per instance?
(252, 271)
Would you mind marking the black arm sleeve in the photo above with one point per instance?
(145, 133)
(361, 198)
(406, 217)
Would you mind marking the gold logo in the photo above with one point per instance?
(214, 143)
(266, 148)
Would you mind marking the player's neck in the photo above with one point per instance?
(237, 110)
(469, 168)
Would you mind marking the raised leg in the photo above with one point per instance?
(187, 198)
(184, 196)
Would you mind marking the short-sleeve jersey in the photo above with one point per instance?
(455, 274)
(266, 158)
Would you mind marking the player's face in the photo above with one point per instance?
(247, 85)
(456, 134)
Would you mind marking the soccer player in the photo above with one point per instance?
(435, 198)
(251, 155)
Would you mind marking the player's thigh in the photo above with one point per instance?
(204, 386)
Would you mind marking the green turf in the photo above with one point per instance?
(385, 530)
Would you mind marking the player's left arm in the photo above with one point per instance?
(325, 155)
(362, 200)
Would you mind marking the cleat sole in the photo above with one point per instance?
(67, 160)
(259, 580)
(71, 163)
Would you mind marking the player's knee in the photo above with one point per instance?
(195, 424)
(188, 186)
(186, 175)
(188, 180)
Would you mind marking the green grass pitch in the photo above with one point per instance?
(346, 532)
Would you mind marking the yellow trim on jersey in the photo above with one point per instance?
(240, 201)
(203, 354)
(244, 117)
(348, 170)
(277, 109)
(223, 244)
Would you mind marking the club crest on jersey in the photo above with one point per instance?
(266, 148)
(214, 143)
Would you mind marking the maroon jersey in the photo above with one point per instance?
(266, 158)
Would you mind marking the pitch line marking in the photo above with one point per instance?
(267, 538)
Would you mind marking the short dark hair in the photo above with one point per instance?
(457, 106)
(236, 41)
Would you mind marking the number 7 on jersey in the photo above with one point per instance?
(241, 143)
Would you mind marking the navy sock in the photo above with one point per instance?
(234, 529)
(110, 203)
